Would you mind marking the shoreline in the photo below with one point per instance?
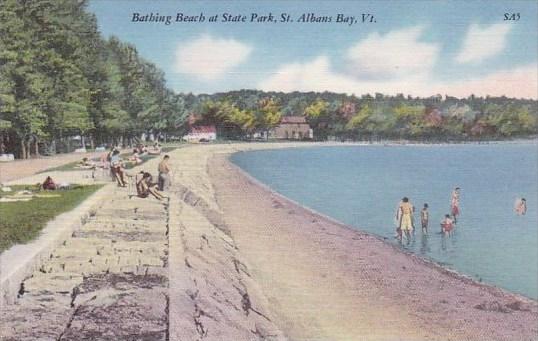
(244, 262)
(402, 142)
(370, 272)
(426, 260)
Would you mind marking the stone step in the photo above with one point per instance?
(135, 247)
(84, 243)
(122, 224)
(62, 283)
(124, 234)
(33, 321)
(82, 267)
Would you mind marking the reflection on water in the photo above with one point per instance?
(361, 186)
(424, 248)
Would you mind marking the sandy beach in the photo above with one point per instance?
(225, 258)
(325, 281)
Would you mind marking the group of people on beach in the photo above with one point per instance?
(405, 218)
(142, 150)
(144, 183)
(146, 186)
(406, 222)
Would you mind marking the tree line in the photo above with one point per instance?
(347, 117)
(59, 78)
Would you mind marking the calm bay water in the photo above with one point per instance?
(362, 185)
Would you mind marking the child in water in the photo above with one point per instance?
(424, 218)
(447, 225)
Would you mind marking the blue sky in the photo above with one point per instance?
(415, 47)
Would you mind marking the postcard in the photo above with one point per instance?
(268, 170)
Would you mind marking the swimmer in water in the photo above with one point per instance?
(520, 206)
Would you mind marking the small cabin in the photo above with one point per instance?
(292, 128)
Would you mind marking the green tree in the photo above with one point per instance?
(268, 114)
(317, 114)
(410, 120)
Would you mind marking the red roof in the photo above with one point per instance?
(203, 130)
(293, 119)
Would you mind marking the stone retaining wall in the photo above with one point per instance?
(20, 261)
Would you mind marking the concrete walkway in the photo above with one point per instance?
(141, 269)
(107, 282)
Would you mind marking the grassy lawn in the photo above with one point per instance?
(72, 166)
(22, 221)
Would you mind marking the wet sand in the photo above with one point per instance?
(326, 281)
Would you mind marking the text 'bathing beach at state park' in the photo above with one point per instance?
(270, 17)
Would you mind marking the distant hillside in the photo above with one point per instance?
(331, 115)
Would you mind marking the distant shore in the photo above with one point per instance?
(404, 142)
(326, 281)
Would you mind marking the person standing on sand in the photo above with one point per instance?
(405, 215)
(117, 168)
(424, 218)
(164, 173)
(455, 204)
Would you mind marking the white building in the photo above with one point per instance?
(201, 134)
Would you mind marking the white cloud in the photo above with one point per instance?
(483, 42)
(210, 58)
(399, 63)
(317, 75)
(519, 82)
(396, 54)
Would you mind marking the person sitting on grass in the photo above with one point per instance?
(117, 168)
(145, 187)
(48, 184)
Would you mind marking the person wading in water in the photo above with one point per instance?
(404, 215)
(455, 204)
